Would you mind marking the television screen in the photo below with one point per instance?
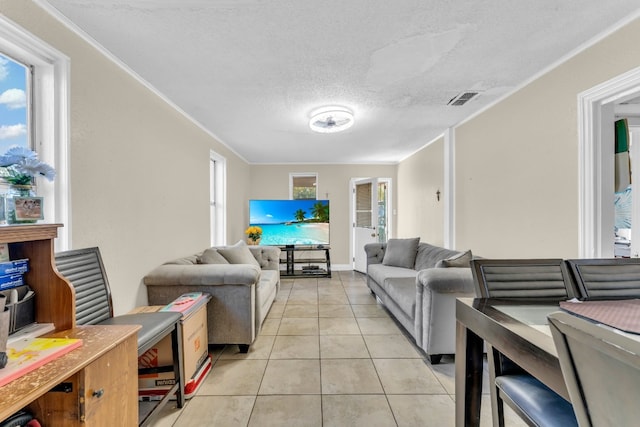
(291, 222)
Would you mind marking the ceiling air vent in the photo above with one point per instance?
(462, 98)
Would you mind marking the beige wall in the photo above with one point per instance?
(139, 169)
(420, 214)
(272, 182)
(517, 163)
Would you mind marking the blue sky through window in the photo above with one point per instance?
(14, 125)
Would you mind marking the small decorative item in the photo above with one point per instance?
(19, 167)
(254, 233)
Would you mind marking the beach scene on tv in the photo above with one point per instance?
(291, 222)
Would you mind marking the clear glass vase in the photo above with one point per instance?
(27, 209)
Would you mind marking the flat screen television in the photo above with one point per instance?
(291, 222)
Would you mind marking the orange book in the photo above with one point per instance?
(29, 354)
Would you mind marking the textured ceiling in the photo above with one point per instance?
(251, 71)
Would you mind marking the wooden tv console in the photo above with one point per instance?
(96, 384)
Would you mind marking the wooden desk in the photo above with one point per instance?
(102, 375)
(517, 329)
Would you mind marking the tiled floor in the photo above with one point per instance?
(328, 355)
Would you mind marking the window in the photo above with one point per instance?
(217, 171)
(46, 128)
(303, 186)
(15, 116)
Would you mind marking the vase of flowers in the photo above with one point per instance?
(254, 233)
(19, 168)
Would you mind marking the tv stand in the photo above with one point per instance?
(312, 269)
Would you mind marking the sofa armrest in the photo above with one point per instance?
(267, 256)
(447, 280)
(203, 274)
(375, 252)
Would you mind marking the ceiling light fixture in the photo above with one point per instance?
(331, 119)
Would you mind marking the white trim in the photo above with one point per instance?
(51, 116)
(218, 212)
(91, 41)
(595, 162)
(449, 189)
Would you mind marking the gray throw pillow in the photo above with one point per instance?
(401, 252)
(212, 256)
(458, 261)
(238, 254)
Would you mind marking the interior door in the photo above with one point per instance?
(365, 221)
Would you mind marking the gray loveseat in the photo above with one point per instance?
(419, 283)
(242, 280)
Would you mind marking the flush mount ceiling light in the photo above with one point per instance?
(331, 119)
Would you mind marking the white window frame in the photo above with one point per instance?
(50, 118)
(293, 175)
(218, 199)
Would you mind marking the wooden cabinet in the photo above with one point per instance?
(93, 385)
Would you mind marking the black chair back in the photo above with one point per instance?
(522, 278)
(84, 269)
(606, 278)
(601, 368)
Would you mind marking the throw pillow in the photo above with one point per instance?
(461, 260)
(238, 254)
(401, 252)
(212, 256)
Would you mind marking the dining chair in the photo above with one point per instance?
(85, 271)
(601, 368)
(523, 279)
(606, 278)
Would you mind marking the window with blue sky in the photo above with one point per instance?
(14, 114)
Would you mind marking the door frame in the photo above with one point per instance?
(595, 162)
(390, 211)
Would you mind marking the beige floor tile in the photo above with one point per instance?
(339, 326)
(407, 376)
(283, 295)
(305, 284)
(217, 411)
(168, 415)
(349, 376)
(296, 347)
(378, 326)
(260, 349)
(234, 377)
(334, 310)
(423, 410)
(446, 374)
(369, 310)
(300, 310)
(343, 347)
(335, 298)
(270, 326)
(276, 310)
(362, 299)
(356, 411)
(298, 326)
(291, 377)
(303, 297)
(390, 346)
(277, 411)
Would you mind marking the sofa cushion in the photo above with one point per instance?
(381, 272)
(212, 256)
(429, 255)
(238, 254)
(402, 291)
(401, 252)
(188, 260)
(462, 260)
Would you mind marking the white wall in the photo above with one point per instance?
(272, 182)
(139, 169)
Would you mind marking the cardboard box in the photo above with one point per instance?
(194, 347)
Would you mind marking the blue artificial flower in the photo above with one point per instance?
(32, 166)
(16, 155)
(21, 165)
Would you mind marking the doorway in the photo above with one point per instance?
(370, 207)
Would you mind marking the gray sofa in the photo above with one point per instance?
(419, 283)
(242, 280)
